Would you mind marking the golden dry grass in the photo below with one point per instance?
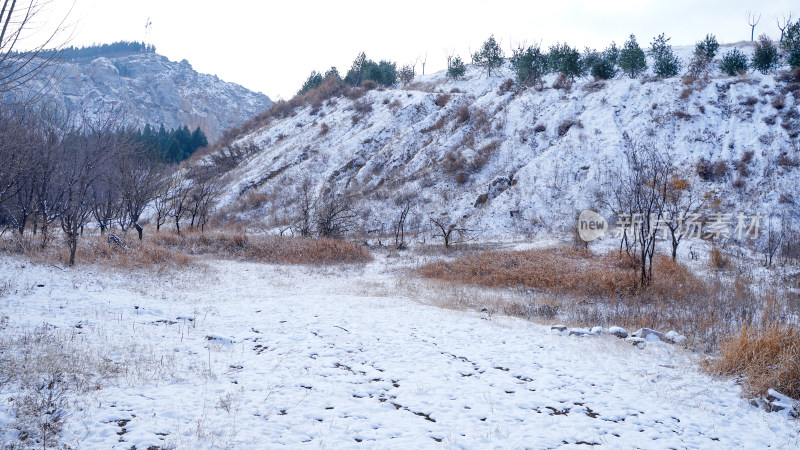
(579, 287)
(267, 249)
(767, 357)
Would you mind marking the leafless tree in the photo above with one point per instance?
(25, 40)
(752, 20)
(179, 200)
(140, 176)
(86, 153)
(307, 202)
(424, 61)
(404, 203)
(638, 199)
(783, 22)
(683, 201)
(204, 192)
(335, 214)
(162, 201)
(771, 240)
(446, 229)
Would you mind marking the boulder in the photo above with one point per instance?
(619, 332)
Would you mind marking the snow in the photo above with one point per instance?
(245, 355)
(389, 151)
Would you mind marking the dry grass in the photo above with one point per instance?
(587, 289)
(768, 357)
(267, 249)
(718, 260)
(539, 269)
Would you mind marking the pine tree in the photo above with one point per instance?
(665, 63)
(708, 47)
(314, 80)
(567, 60)
(456, 69)
(733, 63)
(765, 57)
(529, 65)
(791, 44)
(199, 139)
(490, 56)
(632, 59)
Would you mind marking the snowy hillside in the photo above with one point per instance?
(150, 89)
(509, 161)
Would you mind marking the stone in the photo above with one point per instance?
(559, 327)
(645, 332)
(619, 332)
(675, 337)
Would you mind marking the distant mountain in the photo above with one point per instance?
(150, 88)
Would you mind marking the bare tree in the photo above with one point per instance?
(307, 202)
(683, 202)
(638, 199)
(783, 22)
(404, 203)
(140, 176)
(86, 154)
(335, 214)
(179, 200)
(162, 201)
(20, 26)
(446, 230)
(203, 194)
(424, 61)
(752, 20)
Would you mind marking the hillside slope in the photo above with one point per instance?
(509, 162)
(150, 89)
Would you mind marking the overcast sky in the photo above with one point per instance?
(272, 46)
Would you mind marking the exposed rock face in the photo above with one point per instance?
(150, 89)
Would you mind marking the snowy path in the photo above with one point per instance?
(260, 356)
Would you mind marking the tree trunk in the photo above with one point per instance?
(138, 229)
(73, 245)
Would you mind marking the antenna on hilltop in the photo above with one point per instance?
(148, 28)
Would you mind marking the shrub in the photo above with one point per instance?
(710, 171)
(778, 102)
(369, 85)
(733, 63)
(717, 260)
(539, 128)
(665, 63)
(765, 57)
(442, 100)
(564, 126)
(632, 60)
(505, 87)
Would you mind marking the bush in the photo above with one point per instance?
(505, 87)
(632, 60)
(708, 47)
(709, 171)
(765, 58)
(733, 63)
(665, 63)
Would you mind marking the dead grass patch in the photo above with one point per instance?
(767, 357)
(266, 249)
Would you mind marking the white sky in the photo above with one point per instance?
(272, 46)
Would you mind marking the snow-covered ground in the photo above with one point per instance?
(243, 355)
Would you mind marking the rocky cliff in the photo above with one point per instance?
(150, 89)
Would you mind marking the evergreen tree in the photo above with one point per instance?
(733, 63)
(708, 47)
(333, 72)
(199, 140)
(314, 80)
(631, 58)
(406, 73)
(605, 66)
(791, 44)
(665, 63)
(457, 68)
(355, 75)
(490, 56)
(567, 60)
(530, 65)
(765, 57)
